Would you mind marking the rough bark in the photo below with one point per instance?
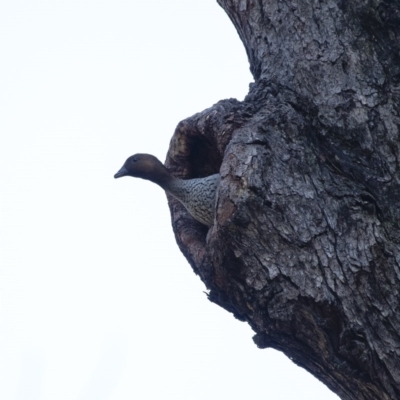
(306, 241)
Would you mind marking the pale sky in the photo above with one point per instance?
(96, 300)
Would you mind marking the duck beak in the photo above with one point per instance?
(122, 172)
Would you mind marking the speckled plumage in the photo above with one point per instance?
(197, 195)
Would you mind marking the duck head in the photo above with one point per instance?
(144, 166)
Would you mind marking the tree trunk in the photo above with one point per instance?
(306, 241)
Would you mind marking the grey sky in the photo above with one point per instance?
(97, 302)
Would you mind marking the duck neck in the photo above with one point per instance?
(164, 179)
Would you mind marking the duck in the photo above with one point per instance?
(197, 195)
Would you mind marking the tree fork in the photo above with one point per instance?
(306, 242)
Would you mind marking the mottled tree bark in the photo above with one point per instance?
(306, 242)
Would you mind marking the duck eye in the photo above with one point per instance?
(134, 160)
